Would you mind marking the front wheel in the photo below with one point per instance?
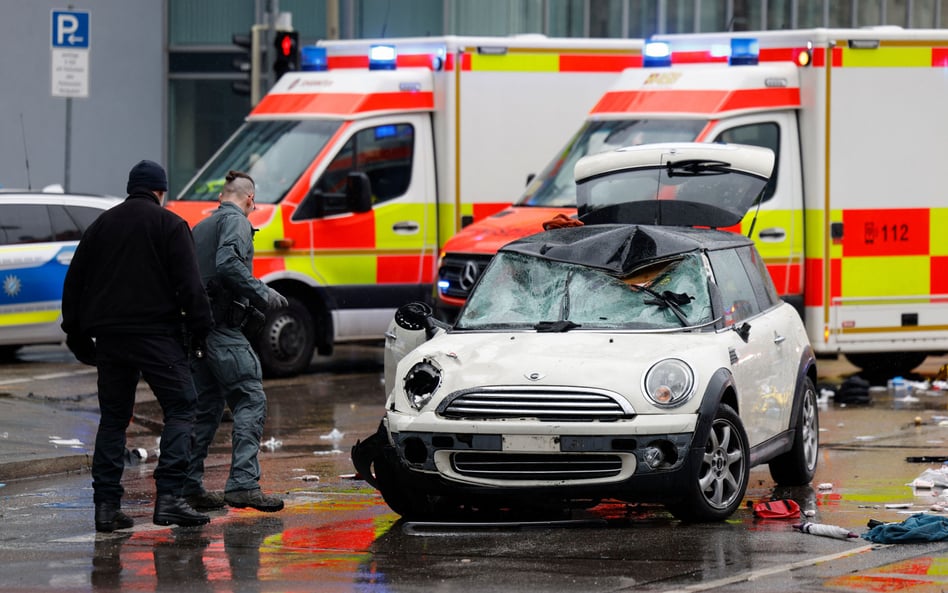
(797, 466)
(719, 484)
(286, 342)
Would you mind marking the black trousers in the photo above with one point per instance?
(163, 362)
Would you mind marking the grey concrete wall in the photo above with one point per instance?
(121, 122)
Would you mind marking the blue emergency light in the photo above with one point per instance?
(382, 57)
(314, 59)
(657, 54)
(744, 52)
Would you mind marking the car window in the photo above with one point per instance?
(738, 298)
(519, 291)
(384, 153)
(760, 278)
(764, 134)
(24, 223)
(64, 227)
(83, 216)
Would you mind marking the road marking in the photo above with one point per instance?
(46, 377)
(766, 572)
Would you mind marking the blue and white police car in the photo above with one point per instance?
(39, 232)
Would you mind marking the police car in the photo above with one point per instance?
(643, 356)
(39, 232)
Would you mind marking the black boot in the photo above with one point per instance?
(175, 510)
(109, 517)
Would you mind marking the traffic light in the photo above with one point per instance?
(249, 63)
(287, 44)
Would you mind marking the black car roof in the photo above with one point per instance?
(620, 249)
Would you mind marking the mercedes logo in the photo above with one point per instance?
(468, 275)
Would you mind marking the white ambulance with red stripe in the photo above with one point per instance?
(849, 226)
(377, 153)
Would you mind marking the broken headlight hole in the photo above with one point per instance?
(421, 382)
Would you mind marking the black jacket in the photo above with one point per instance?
(135, 271)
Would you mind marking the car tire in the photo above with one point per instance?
(797, 466)
(397, 494)
(885, 365)
(718, 485)
(8, 353)
(286, 342)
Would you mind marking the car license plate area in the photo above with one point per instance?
(531, 442)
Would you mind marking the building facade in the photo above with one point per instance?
(161, 72)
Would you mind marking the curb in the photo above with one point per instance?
(44, 466)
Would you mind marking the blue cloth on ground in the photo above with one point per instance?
(919, 528)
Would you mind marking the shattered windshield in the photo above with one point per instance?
(555, 186)
(274, 153)
(519, 291)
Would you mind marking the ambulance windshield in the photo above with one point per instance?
(274, 153)
(555, 187)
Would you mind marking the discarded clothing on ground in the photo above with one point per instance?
(918, 528)
(854, 390)
(777, 509)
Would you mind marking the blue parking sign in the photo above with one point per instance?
(70, 29)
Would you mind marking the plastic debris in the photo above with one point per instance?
(898, 505)
(936, 477)
(308, 478)
(334, 435)
(61, 442)
(271, 444)
(834, 531)
(135, 456)
(825, 486)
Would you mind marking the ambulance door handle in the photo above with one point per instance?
(406, 227)
(772, 234)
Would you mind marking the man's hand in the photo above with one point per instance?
(82, 347)
(275, 300)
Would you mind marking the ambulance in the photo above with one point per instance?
(849, 223)
(369, 159)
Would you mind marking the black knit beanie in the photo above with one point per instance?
(147, 175)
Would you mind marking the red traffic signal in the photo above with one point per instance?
(287, 48)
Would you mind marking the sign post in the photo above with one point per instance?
(70, 65)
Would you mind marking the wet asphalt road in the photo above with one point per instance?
(336, 534)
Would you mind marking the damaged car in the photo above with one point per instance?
(639, 354)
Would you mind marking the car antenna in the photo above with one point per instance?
(29, 183)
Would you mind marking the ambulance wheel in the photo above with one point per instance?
(797, 466)
(719, 484)
(285, 344)
(887, 364)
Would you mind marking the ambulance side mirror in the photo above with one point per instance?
(358, 192)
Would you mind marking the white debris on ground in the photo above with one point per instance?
(61, 442)
(271, 444)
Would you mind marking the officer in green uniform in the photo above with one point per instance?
(229, 371)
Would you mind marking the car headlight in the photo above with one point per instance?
(669, 383)
(421, 382)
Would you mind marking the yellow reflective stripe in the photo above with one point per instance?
(892, 328)
(268, 233)
(938, 238)
(887, 56)
(814, 239)
(515, 62)
(49, 316)
(334, 267)
(885, 276)
(386, 237)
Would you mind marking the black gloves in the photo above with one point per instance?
(275, 300)
(83, 347)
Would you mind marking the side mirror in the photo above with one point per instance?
(416, 316)
(358, 192)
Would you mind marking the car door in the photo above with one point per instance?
(755, 339)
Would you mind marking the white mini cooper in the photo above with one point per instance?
(638, 356)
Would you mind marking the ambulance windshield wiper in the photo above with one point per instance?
(669, 299)
(694, 167)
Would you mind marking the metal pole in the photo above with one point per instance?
(66, 164)
(332, 19)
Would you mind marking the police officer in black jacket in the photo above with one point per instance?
(133, 285)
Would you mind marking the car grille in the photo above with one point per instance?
(563, 404)
(536, 466)
(461, 272)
